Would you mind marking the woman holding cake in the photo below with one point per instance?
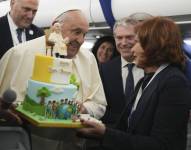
(156, 118)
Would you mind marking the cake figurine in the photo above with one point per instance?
(60, 44)
(60, 50)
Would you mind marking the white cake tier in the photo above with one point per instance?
(56, 91)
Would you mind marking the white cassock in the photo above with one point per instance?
(16, 68)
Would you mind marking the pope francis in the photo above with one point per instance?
(17, 65)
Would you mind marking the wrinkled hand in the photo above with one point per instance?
(82, 109)
(91, 129)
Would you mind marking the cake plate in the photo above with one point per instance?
(41, 121)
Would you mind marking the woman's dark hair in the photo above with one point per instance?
(101, 40)
(161, 40)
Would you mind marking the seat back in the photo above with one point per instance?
(14, 138)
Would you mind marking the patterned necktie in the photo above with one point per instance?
(19, 34)
(129, 88)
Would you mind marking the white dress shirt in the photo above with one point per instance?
(137, 72)
(13, 28)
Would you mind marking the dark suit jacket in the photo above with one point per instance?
(160, 119)
(113, 86)
(6, 41)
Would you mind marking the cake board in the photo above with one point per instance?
(40, 121)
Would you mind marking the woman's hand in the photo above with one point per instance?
(92, 129)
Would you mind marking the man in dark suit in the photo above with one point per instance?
(115, 72)
(16, 26)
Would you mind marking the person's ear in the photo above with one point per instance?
(12, 3)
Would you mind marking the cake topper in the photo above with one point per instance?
(63, 47)
(59, 43)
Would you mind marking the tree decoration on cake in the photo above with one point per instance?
(74, 81)
(42, 93)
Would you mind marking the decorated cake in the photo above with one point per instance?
(52, 90)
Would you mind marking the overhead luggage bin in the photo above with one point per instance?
(48, 10)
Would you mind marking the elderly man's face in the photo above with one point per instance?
(23, 12)
(125, 40)
(75, 29)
